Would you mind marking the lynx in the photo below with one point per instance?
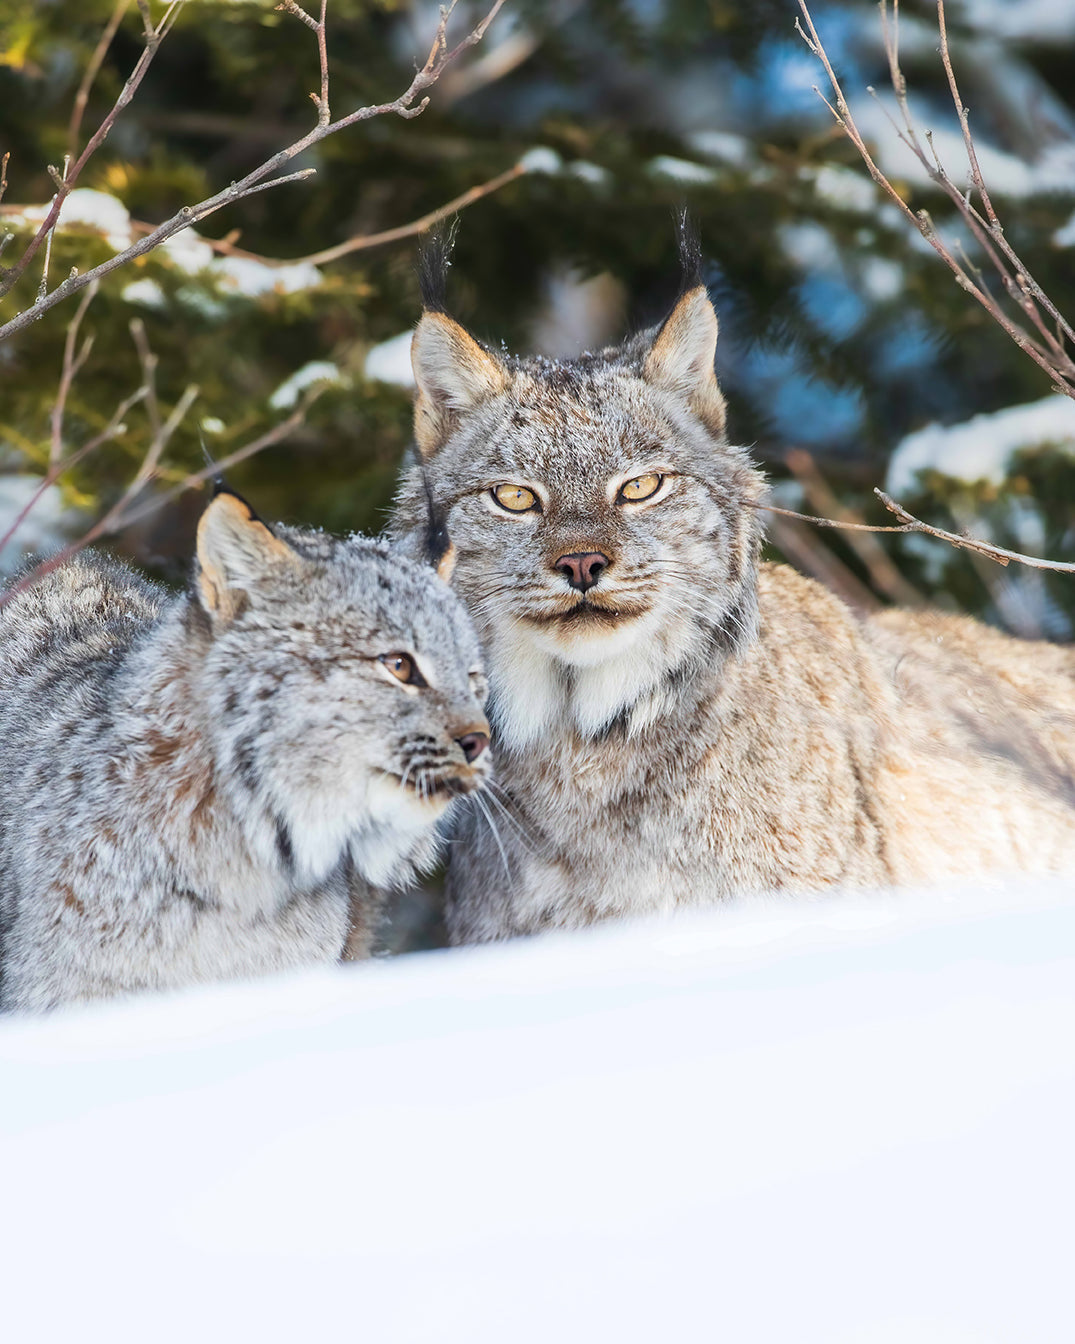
(674, 722)
(196, 787)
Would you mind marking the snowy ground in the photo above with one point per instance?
(845, 1121)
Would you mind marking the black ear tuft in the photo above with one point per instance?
(690, 253)
(221, 487)
(433, 261)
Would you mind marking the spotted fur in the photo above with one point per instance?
(696, 724)
(197, 787)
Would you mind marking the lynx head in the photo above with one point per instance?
(344, 685)
(602, 540)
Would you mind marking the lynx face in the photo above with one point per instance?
(601, 540)
(345, 685)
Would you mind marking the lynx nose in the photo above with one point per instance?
(473, 744)
(582, 569)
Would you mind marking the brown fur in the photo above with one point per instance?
(696, 725)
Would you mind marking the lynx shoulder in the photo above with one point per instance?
(199, 786)
(674, 722)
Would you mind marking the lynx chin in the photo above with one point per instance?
(673, 722)
(205, 786)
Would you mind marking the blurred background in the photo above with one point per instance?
(849, 355)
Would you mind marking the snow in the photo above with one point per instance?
(1004, 174)
(881, 278)
(810, 246)
(187, 251)
(1040, 20)
(145, 292)
(845, 189)
(1065, 236)
(41, 531)
(541, 159)
(316, 371)
(390, 362)
(826, 1121)
(725, 145)
(682, 170)
(251, 279)
(591, 173)
(88, 209)
(981, 448)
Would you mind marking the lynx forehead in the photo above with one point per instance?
(674, 723)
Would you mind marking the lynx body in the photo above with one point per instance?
(674, 723)
(205, 786)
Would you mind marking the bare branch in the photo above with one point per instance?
(1047, 348)
(884, 575)
(96, 60)
(362, 241)
(266, 440)
(68, 372)
(154, 36)
(909, 523)
(408, 104)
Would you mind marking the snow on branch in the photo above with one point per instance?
(1040, 330)
(409, 104)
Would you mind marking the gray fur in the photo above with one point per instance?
(196, 787)
(699, 725)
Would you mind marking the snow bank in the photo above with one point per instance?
(832, 1121)
(316, 371)
(981, 448)
(390, 362)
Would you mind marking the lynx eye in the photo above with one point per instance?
(403, 668)
(640, 487)
(515, 498)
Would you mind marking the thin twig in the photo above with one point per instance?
(909, 523)
(154, 37)
(68, 372)
(96, 60)
(114, 427)
(362, 241)
(884, 575)
(408, 104)
(271, 436)
(1052, 358)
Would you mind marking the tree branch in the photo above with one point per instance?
(1047, 350)
(409, 104)
(362, 241)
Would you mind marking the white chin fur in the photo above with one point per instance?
(399, 822)
(581, 647)
(394, 823)
(543, 683)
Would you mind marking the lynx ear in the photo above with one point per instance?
(453, 373)
(234, 549)
(681, 358)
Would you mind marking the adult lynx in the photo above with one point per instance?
(197, 787)
(673, 722)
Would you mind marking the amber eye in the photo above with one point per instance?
(402, 668)
(515, 498)
(641, 487)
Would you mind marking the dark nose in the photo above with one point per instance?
(473, 744)
(582, 569)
